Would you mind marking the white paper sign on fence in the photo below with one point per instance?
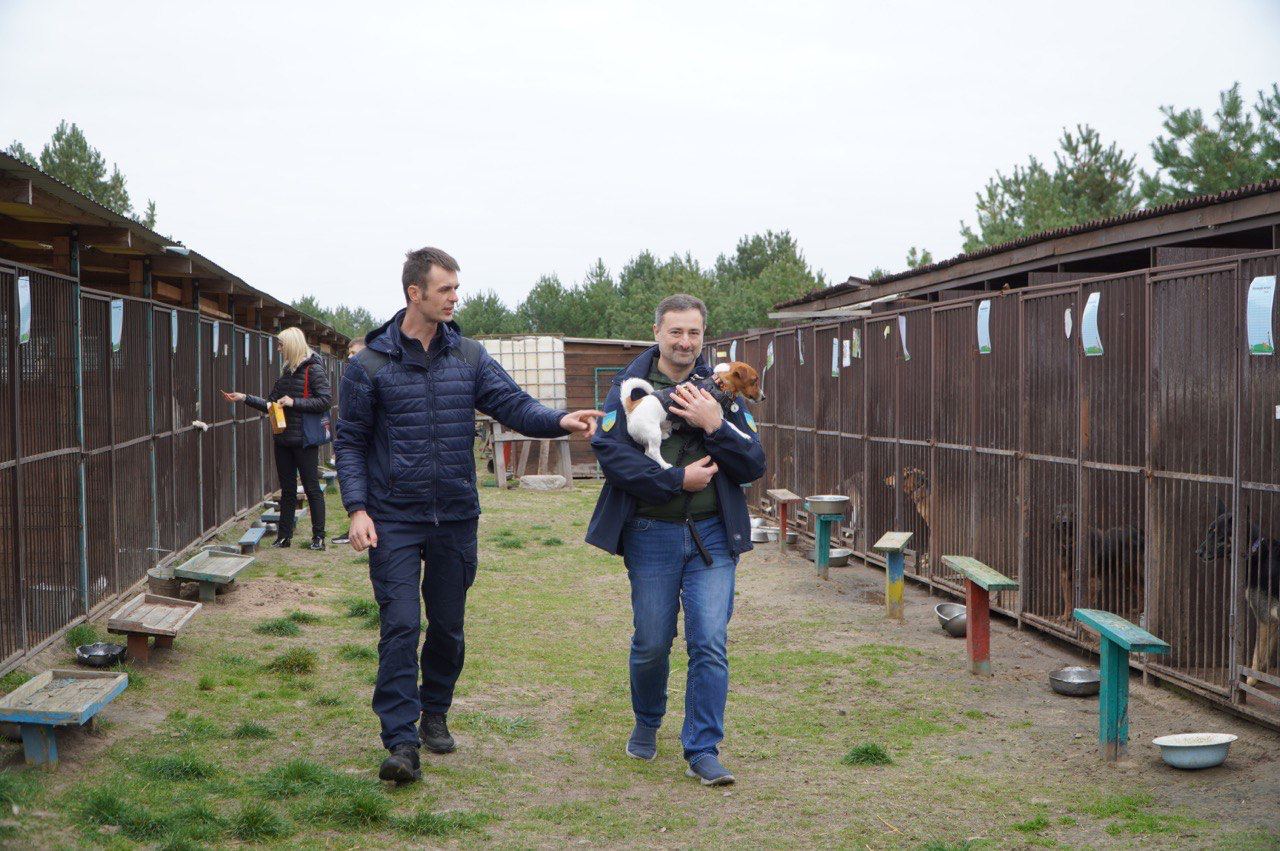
(1262, 291)
(847, 348)
(902, 335)
(246, 348)
(835, 358)
(857, 342)
(1089, 327)
(117, 323)
(1066, 322)
(173, 330)
(214, 339)
(24, 309)
(800, 346)
(984, 327)
(733, 350)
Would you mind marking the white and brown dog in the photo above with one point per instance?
(649, 420)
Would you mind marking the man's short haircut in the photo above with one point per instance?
(679, 302)
(417, 265)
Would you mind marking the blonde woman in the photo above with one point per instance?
(303, 391)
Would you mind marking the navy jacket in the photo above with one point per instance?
(631, 475)
(310, 376)
(406, 435)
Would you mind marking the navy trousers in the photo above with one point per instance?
(417, 564)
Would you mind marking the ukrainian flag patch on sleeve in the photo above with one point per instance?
(751, 421)
(609, 419)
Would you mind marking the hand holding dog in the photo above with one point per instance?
(698, 474)
(697, 407)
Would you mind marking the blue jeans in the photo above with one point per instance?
(666, 572)
(402, 588)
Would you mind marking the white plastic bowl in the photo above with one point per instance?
(1194, 750)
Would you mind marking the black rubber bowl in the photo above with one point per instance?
(99, 655)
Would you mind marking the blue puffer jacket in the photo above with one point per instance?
(406, 435)
(630, 475)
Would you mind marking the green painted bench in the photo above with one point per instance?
(979, 581)
(1118, 638)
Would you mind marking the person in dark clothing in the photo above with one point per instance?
(406, 463)
(355, 347)
(301, 389)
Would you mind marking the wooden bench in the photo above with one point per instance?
(892, 544)
(251, 538)
(213, 568)
(784, 499)
(979, 582)
(58, 698)
(148, 615)
(1119, 638)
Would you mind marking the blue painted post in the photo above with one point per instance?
(39, 745)
(1113, 701)
(822, 542)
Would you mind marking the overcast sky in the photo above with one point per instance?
(306, 146)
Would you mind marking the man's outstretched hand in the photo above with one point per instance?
(581, 422)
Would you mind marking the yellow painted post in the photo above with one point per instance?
(892, 545)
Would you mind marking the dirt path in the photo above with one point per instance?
(215, 728)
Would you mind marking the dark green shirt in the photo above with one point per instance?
(704, 502)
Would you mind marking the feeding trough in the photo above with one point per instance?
(100, 654)
(1194, 750)
(829, 510)
(1075, 681)
(952, 617)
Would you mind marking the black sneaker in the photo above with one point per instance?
(281, 543)
(434, 733)
(344, 538)
(402, 766)
(317, 543)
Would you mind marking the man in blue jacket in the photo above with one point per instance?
(680, 532)
(405, 437)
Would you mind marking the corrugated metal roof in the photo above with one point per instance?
(74, 196)
(1044, 236)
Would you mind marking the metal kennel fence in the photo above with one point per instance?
(1082, 436)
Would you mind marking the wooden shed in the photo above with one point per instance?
(570, 372)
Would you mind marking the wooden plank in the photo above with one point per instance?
(892, 542)
(980, 574)
(1125, 634)
(782, 495)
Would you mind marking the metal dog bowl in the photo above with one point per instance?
(100, 654)
(953, 617)
(836, 556)
(757, 522)
(1194, 750)
(759, 534)
(1075, 681)
(827, 504)
(771, 534)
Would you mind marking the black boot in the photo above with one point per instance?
(281, 543)
(434, 733)
(317, 543)
(401, 766)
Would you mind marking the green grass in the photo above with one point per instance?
(12, 680)
(552, 542)
(182, 766)
(509, 728)
(299, 660)
(425, 823)
(867, 754)
(357, 653)
(1136, 814)
(82, 633)
(363, 609)
(304, 617)
(327, 700)
(17, 788)
(1032, 825)
(252, 730)
(283, 627)
(257, 822)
